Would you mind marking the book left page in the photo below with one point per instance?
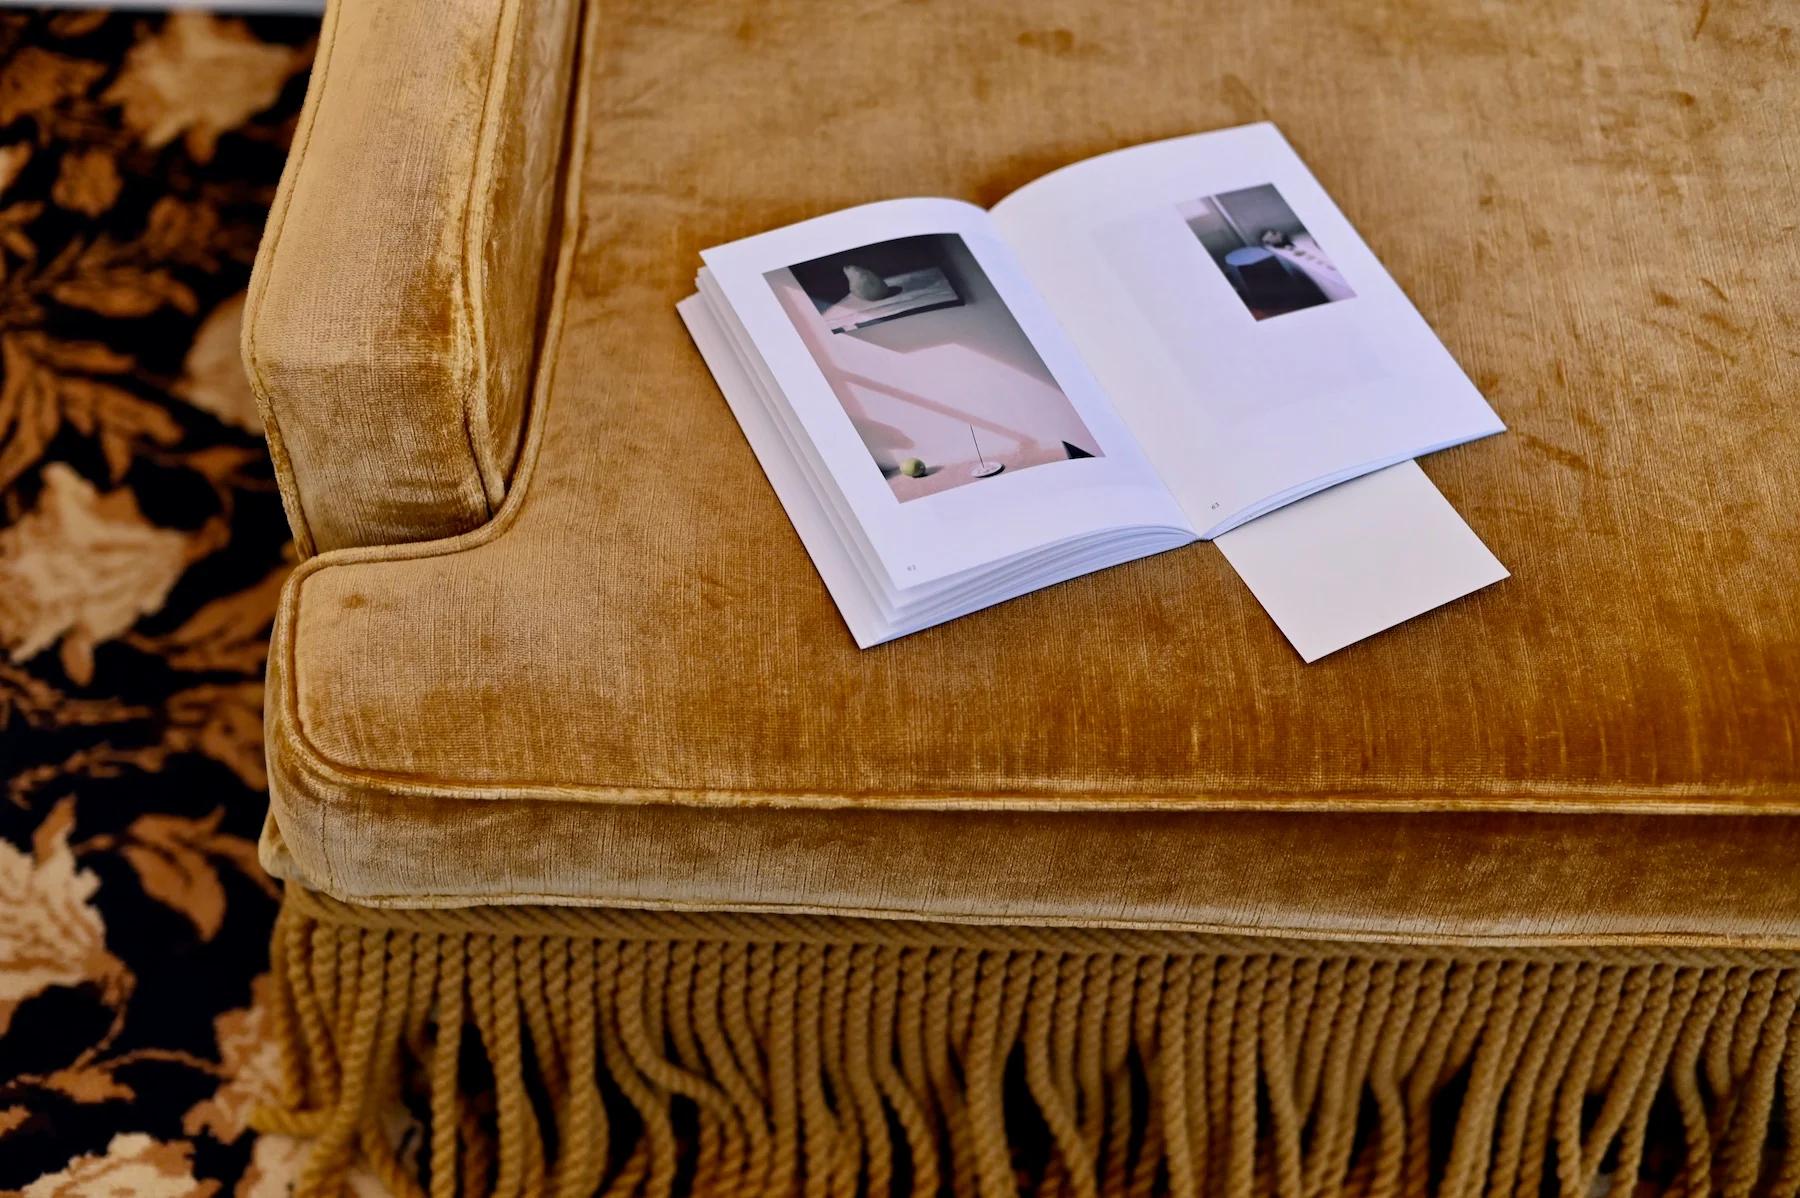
(929, 383)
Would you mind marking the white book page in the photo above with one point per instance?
(1241, 327)
(953, 414)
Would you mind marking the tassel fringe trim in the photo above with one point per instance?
(575, 1052)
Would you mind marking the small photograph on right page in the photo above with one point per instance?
(1265, 253)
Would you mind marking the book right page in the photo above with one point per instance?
(1251, 341)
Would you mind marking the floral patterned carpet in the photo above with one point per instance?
(142, 545)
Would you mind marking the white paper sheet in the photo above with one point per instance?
(1365, 555)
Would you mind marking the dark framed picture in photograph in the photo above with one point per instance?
(1270, 259)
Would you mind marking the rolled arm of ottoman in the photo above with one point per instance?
(394, 314)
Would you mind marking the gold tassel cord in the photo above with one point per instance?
(550, 1051)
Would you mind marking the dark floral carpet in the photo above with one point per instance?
(142, 545)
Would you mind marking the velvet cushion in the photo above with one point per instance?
(630, 686)
(392, 361)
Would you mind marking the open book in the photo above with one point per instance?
(958, 406)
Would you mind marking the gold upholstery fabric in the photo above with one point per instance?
(630, 687)
(393, 358)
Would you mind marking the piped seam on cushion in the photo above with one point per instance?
(477, 376)
(514, 912)
(1525, 799)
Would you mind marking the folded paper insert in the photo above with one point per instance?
(1344, 564)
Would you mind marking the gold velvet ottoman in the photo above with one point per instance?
(610, 857)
